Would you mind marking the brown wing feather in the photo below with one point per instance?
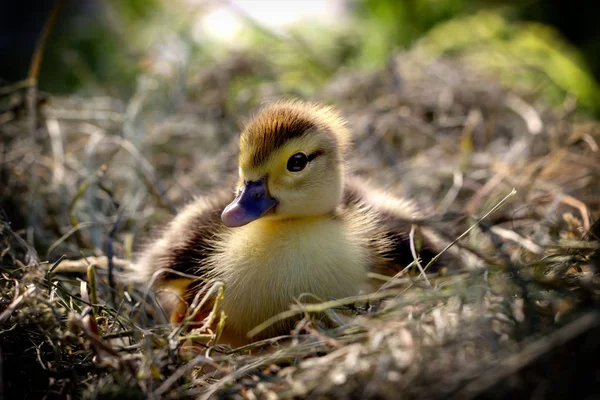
(183, 246)
(394, 225)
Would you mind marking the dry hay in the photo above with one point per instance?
(89, 177)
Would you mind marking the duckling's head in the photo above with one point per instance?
(291, 163)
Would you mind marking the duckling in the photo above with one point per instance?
(296, 223)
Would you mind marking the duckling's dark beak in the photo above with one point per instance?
(252, 203)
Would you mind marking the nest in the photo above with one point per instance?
(83, 180)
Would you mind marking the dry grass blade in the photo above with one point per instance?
(15, 304)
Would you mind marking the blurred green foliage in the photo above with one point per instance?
(501, 35)
(387, 24)
(96, 47)
(528, 55)
(105, 53)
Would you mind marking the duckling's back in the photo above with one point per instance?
(395, 218)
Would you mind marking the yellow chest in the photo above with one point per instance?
(266, 265)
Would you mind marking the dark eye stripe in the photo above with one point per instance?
(314, 155)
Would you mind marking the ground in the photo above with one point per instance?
(88, 178)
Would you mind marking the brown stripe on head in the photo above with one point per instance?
(278, 123)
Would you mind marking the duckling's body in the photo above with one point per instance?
(267, 265)
(297, 226)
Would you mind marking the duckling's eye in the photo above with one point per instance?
(297, 162)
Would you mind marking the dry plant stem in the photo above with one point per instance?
(267, 359)
(193, 310)
(56, 142)
(15, 304)
(91, 275)
(527, 112)
(109, 256)
(148, 173)
(36, 61)
(200, 299)
(317, 308)
(34, 68)
(15, 87)
(258, 344)
(55, 266)
(307, 326)
(188, 367)
(580, 206)
(415, 257)
(31, 100)
(457, 184)
(434, 259)
(80, 266)
(472, 205)
(84, 115)
(515, 237)
(155, 276)
(393, 280)
(465, 233)
(64, 237)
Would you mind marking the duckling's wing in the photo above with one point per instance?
(395, 217)
(177, 255)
